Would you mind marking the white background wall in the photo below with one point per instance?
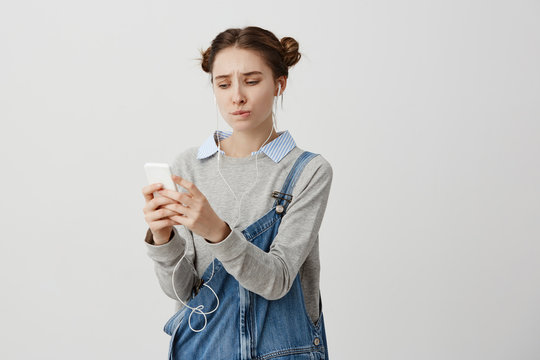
(428, 112)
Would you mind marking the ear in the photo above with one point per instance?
(282, 80)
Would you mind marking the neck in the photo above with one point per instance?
(243, 143)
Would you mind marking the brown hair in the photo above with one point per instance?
(278, 55)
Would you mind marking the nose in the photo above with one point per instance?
(238, 96)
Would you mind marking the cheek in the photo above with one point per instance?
(265, 98)
(221, 107)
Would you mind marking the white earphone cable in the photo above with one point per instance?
(199, 308)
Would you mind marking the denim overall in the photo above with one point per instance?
(247, 326)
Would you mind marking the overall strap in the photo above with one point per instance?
(284, 197)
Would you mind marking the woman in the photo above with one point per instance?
(243, 289)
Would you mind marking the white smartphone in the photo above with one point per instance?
(160, 173)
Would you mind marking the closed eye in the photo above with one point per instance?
(253, 82)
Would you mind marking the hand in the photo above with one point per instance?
(156, 216)
(193, 210)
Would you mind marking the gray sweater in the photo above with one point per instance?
(294, 250)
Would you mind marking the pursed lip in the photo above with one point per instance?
(240, 112)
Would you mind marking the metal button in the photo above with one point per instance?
(316, 341)
(279, 209)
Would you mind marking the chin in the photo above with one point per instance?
(243, 125)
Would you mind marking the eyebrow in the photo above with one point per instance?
(245, 74)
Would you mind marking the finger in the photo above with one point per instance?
(156, 202)
(160, 224)
(148, 190)
(178, 219)
(188, 185)
(178, 209)
(182, 198)
(160, 214)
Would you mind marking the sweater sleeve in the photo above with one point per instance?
(271, 274)
(166, 257)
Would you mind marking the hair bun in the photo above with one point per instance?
(290, 51)
(205, 55)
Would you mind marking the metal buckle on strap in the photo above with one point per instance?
(280, 195)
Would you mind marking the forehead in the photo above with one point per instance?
(232, 61)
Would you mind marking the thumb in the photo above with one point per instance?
(176, 179)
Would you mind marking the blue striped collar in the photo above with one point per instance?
(275, 149)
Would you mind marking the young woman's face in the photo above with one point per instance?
(243, 82)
